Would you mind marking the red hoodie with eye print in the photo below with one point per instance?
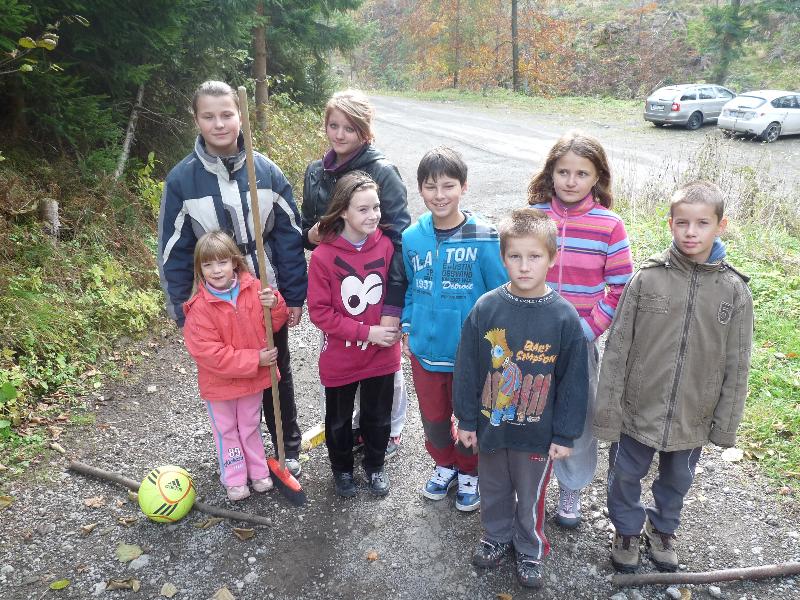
(346, 291)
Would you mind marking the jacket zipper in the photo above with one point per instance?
(673, 400)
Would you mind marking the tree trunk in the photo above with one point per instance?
(129, 134)
(260, 70)
(514, 46)
(457, 44)
(726, 45)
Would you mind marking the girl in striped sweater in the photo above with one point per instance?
(592, 267)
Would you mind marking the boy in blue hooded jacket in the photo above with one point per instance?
(451, 257)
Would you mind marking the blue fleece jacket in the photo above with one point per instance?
(445, 279)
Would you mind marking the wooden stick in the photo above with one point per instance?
(748, 573)
(262, 265)
(132, 485)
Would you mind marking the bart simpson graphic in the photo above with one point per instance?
(510, 381)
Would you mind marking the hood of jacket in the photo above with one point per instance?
(344, 245)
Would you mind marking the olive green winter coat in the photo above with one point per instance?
(674, 372)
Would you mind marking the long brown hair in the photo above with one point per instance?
(355, 105)
(331, 224)
(541, 188)
(216, 245)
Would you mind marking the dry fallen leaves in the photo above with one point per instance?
(57, 447)
(504, 596)
(243, 534)
(127, 521)
(223, 594)
(209, 522)
(87, 529)
(686, 593)
(95, 501)
(127, 552)
(59, 585)
(118, 583)
(168, 590)
(5, 502)
(372, 555)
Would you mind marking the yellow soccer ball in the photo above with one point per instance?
(167, 494)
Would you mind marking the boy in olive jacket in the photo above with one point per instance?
(674, 374)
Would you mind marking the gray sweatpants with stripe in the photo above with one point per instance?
(628, 463)
(513, 487)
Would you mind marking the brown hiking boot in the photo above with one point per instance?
(662, 548)
(625, 553)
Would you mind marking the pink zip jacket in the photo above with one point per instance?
(594, 260)
(225, 340)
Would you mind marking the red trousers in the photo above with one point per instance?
(435, 398)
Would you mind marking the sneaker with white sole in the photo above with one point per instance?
(468, 497)
(529, 571)
(569, 508)
(237, 492)
(439, 484)
(262, 485)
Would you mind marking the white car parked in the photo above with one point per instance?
(767, 114)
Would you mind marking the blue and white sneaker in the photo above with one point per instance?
(439, 484)
(468, 497)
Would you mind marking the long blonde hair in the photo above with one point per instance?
(216, 245)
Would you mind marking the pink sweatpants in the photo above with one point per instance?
(236, 426)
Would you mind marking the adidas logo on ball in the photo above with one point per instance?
(166, 494)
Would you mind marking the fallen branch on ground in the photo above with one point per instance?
(749, 573)
(132, 485)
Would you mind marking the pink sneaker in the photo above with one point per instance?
(237, 492)
(262, 485)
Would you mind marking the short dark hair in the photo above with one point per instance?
(700, 191)
(441, 161)
(532, 222)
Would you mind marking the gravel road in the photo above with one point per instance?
(734, 516)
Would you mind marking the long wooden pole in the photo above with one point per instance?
(762, 572)
(262, 265)
(132, 485)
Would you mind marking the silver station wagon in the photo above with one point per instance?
(689, 105)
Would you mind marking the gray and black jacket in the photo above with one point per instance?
(317, 190)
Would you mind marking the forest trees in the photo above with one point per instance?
(76, 98)
(621, 48)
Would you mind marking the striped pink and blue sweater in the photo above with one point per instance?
(594, 260)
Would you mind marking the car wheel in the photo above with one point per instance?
(771, 133)
(694, 121)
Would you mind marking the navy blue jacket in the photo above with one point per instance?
(202, 194)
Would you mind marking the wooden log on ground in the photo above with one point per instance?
(132, 485)
(744, 573)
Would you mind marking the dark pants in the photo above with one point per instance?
(513, 487)
(628, 463)
(291, 431)
(376, 418)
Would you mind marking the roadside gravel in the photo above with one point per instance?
(734, 516)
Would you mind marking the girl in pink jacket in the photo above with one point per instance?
(347, 283)
(225, 334)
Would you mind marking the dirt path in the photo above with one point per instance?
(734, 516)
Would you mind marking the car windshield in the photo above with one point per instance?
(749, 101)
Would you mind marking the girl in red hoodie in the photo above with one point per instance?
(347, 279)
(225, 334)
